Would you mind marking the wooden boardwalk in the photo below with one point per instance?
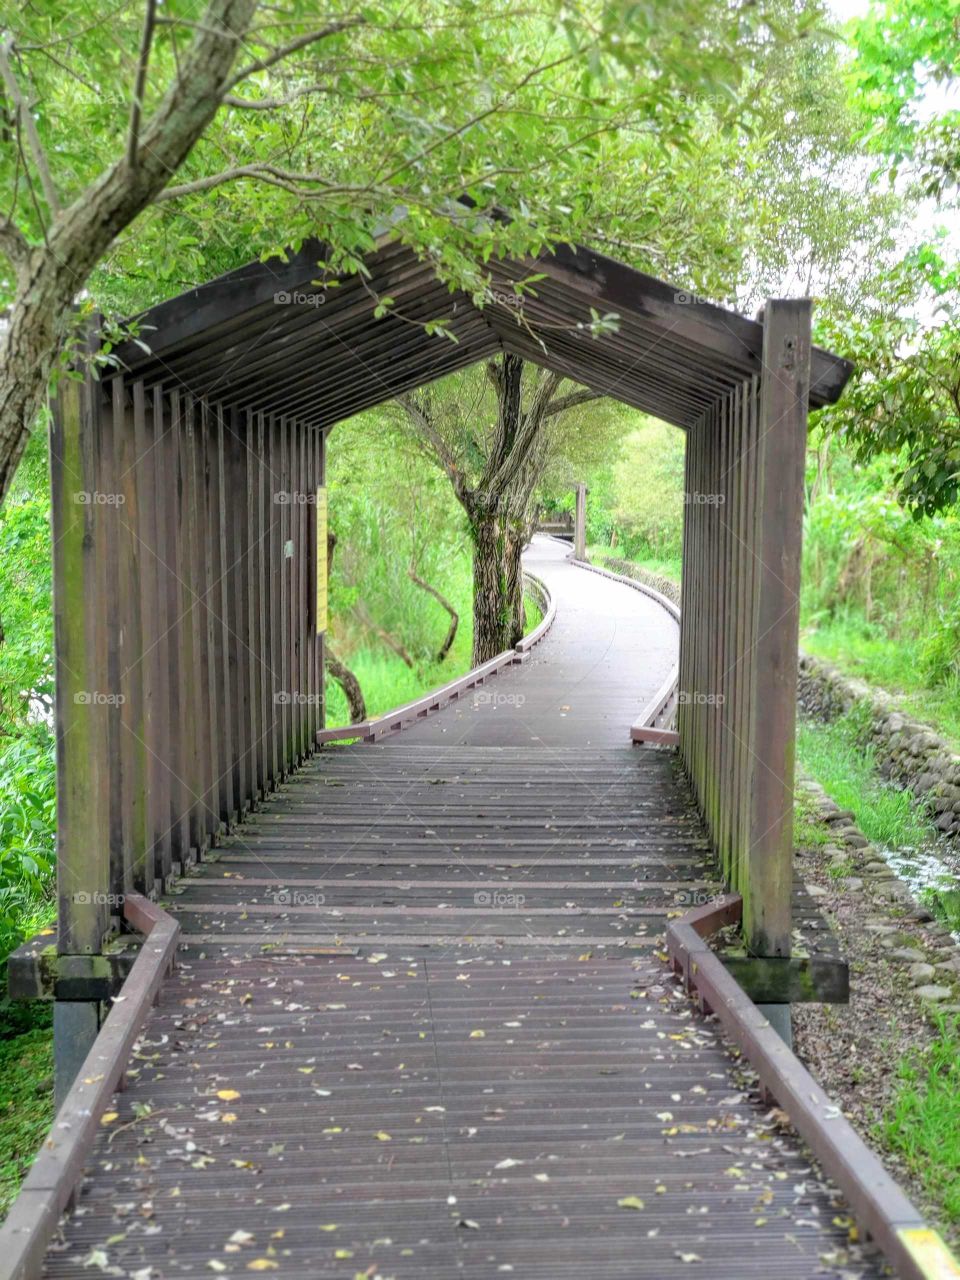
(422, 1026)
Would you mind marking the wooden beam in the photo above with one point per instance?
(776, 546)
(83, 829)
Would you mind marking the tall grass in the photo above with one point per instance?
(922, 1122)
(837, 756)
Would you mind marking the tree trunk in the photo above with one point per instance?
(350, 685)
(492, 613)
(513, 550)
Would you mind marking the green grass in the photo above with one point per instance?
(387, 681)
(922, 1122)
(892, 664)
(26, 1101)
(665, 567)
(836, 756)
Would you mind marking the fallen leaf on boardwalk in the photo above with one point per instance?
(216, 1265)
(227, 1095)
(329, 1226)
(262, 1264)
(241, 1237)
(343, 1253)
(631, 1202)
(689, 1257)
(383, 1137)
(477, 1035)
(228, 1117)
(506, 1164)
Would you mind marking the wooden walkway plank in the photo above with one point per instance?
(422, 1026)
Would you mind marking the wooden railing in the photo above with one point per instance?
(53, 1177)
(188, 658)
(739, 628)
(411, 712)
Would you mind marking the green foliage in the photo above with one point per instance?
(27, 826)
(841, 760)
(904, 49)
(26, 1102)
(922, 1122)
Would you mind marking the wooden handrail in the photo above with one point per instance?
(49, 1186)
(410, 712)
(652, 726)
(878, 1203)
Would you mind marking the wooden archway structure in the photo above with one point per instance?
(187, 509)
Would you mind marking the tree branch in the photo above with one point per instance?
(571, 401)
(140, 83)
(29, 126)
(14, 245)
(293, 46)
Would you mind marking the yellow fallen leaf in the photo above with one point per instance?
(227, 1095)
(477, 1035)
(108, 1117)
(262, 1264)
(631, 1202)
(228, 1117)
(383, 1137)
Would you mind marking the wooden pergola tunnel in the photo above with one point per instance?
(190, 553)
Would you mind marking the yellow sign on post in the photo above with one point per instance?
(321, 560)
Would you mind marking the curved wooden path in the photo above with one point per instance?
(422, 1026)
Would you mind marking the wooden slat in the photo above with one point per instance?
(83, 837)
(781, 455)
(153, 629)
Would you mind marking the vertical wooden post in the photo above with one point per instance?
(83, 828)
(153, 626)
(166, 423)
(137, 836)
(580, 523)
(220, 607)
(780, 457)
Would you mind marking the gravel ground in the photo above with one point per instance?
(854, 1049)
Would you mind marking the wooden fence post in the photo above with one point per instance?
(580, 523)
(776, 544)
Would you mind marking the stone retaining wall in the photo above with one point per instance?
(666, 586)
(908, 753)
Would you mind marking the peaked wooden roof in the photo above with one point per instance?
(268, 337)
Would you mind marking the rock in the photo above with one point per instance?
(841, 815)
(920, 972)
(878, 868)
(948, 966)
(816, 890)
(933, 993)
(909, 955)
(857, 840)
(852, 883)
(874, 927)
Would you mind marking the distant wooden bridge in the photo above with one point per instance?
(422, 1023)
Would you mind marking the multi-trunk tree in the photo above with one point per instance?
(494, 465)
